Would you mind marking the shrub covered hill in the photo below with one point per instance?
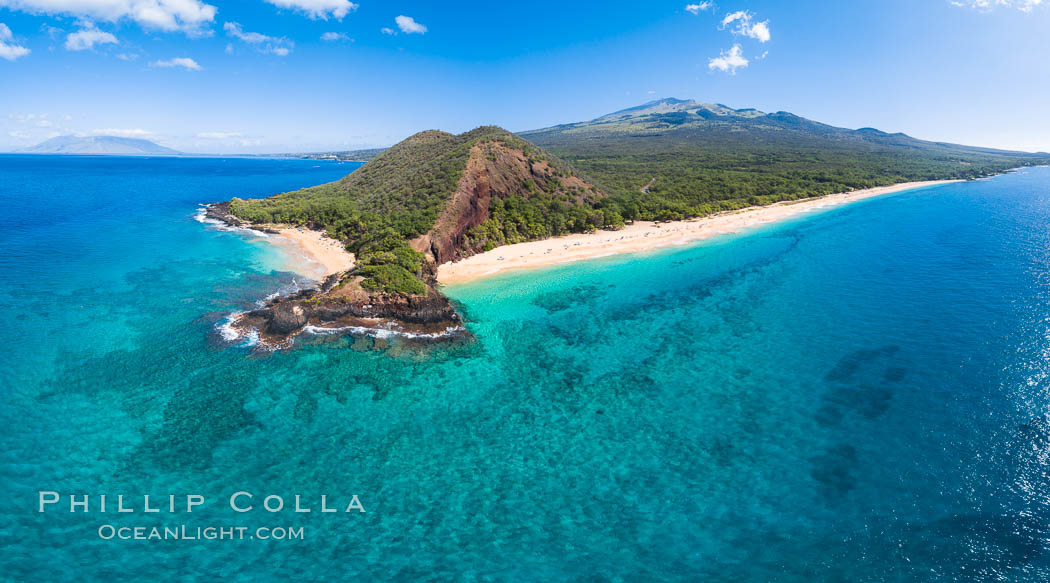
(673, 158)
(432, 198)
(437, 197)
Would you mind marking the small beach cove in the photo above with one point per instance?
(311, 253)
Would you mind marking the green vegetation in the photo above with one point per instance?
(378, 208)
(516, 220)
(708, 158)
(665, 160)
(400, 194)
(387, 263)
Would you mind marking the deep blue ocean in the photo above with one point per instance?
(858, 395)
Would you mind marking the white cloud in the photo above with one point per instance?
(985, 5)
(408, 25)
(334, 36)
(733, 17)
(698, 8)
(386, 30)
(728, 61)
(760, 30)
(127, 56)
(184, 62)
(186, 15)
(318, 8)
(20, 134)
(122, 133)
(8, 50)
(744, 26)
(86, 38)
(279, 46)
(218, 135)
(234, 29)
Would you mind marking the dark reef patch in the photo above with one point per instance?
(833, 470)
(862, 383)
(849, 365)
(572, 297)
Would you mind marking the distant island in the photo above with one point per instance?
(97, 145)
(437, 198)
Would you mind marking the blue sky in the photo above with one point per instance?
(304, 75)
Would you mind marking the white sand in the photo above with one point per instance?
(644, 236)
(312, 253)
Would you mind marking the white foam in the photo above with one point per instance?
(380, 332)
(229, 333)
(201, 216)
(226, 329)
(251, 339)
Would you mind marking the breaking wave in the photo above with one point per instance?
(381, 332)
(201, 216)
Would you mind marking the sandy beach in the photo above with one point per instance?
(312, 253)
(645, 236)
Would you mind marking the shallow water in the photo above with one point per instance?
(855, 395)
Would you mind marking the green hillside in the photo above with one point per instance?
(397, 213)
(695, 158)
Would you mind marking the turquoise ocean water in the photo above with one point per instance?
(858, 395)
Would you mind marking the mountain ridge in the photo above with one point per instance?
(722, 112)
(99, 145)
(694, 158)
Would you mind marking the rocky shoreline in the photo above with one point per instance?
(220, 211)
(338, 305)
(414, 319)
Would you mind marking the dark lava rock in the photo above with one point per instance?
(287, 318)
